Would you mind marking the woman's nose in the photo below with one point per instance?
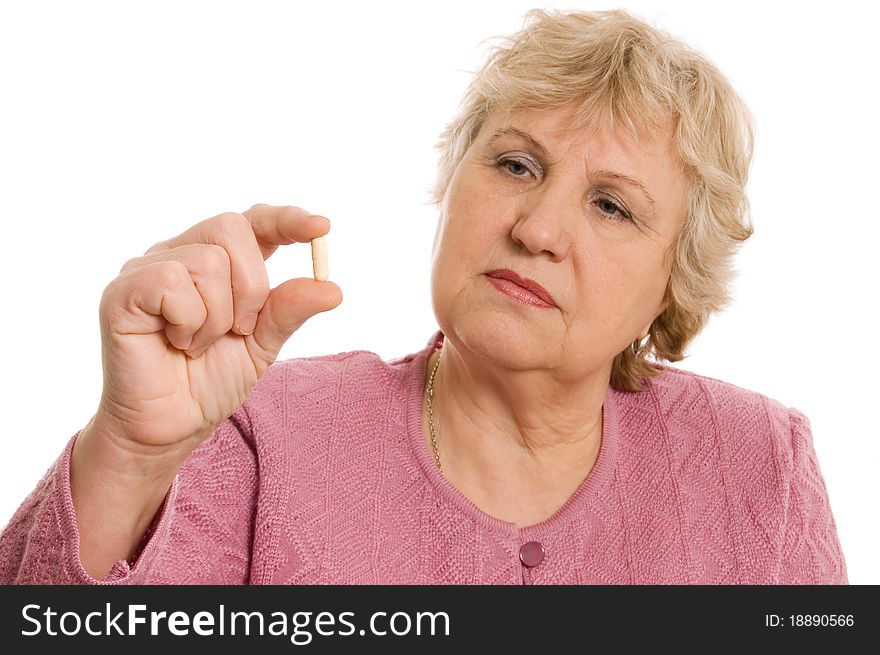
(544, 222)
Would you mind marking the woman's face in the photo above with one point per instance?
(563, 218)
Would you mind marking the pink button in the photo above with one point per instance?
(531, 554)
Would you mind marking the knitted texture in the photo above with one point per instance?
(323, 477)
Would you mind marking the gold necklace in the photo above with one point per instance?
(431, 412)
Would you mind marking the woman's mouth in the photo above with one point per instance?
(522, 289)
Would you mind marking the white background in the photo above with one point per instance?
(122, 124)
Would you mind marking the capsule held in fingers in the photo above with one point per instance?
(319, 258)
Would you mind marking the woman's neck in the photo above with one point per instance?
(516, 456)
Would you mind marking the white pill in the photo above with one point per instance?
(319, 258)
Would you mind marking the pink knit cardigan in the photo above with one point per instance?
(323, 477)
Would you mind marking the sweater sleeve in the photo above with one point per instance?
(201, 534)
(811, 552)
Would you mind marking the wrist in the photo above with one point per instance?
(103, 473)
(103, 444)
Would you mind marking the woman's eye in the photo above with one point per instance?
(611, 209)
(515, 167)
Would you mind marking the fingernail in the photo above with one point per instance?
(247, 324)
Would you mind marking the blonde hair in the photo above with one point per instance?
(626, 72)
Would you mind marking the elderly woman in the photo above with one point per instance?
(591, 197)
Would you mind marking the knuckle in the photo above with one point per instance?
(212, 325)
(252, 296)
(263, 288)
(231, 224)
(157, 247)
(226, 323)
(215, 260)
(171, 273)
(202, 316)
(258, 205)
(107, 296)
(259, 286)
(128, 265)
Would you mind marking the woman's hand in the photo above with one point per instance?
(179, 353)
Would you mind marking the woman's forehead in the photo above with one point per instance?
(563, 127)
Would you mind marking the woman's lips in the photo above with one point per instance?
(529, 285)
(519, 292)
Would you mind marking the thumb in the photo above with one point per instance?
(288, 306)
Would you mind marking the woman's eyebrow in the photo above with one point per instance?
(501, 131)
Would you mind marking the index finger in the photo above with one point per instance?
(275, 226)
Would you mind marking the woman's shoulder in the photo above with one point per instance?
(357, 361)
(336, 375)
(753, 440)
(686, 396)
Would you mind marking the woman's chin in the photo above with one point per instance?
(503, 340)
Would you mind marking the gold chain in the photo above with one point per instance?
(431, 411)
